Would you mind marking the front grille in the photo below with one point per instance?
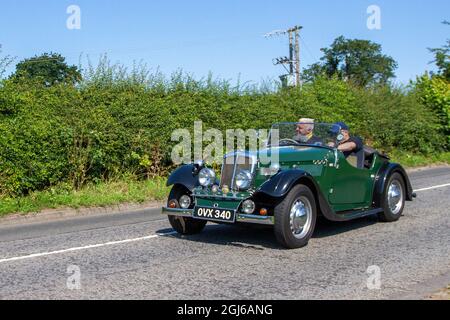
(232, 165)
(227, 174)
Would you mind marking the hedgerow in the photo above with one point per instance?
(117, 123)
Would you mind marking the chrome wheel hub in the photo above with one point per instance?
(395, 197)
(300, 217)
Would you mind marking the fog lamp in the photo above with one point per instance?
(185, 202)
(248, 207)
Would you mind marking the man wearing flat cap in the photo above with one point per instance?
(305, 132)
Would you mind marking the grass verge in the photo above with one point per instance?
(93, 195)
(409, 160)
(128, 190)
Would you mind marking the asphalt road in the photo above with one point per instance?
(137, 256)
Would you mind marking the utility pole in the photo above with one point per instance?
(291, 53)
(293, 78)
(297, 56)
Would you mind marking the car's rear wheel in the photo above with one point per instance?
(295, 218)
(184, 225)
(394, 198)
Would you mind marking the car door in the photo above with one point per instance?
(351, 186)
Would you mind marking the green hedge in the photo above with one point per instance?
(102, 130)
(434, 93)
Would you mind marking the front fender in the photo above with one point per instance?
(184, 176)
(382, 178)
(281, 183)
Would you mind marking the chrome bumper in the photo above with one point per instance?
(242, 218)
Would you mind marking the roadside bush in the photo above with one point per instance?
(33, 139)
(434, 93)
(394, 119)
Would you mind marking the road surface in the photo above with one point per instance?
(137, 256)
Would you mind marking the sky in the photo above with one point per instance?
(225, 37)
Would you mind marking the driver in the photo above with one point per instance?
(304, 132)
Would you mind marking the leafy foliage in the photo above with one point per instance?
(358, 61)
(48, 69)
(442, 58)
(119, 122)
(434, 93)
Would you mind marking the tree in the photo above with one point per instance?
(442, 58)
(359, 61)
(49, 69)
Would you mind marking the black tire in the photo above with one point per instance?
(182, 225)
(284, 225)
(391, 213)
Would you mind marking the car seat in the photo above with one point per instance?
(357, 159)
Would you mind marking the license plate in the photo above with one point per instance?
(215, 214)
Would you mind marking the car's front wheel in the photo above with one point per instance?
(184, 225)
(295, 218)
(394, 197)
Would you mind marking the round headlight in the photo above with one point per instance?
(243, 180)
(248, 207)
(185, 202)
(206, 177)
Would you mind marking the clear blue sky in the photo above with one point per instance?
(222, 36)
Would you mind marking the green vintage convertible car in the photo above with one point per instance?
(296, 183)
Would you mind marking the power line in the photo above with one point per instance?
(311, 55)
(134, 50)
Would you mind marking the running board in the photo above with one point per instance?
(351, 215)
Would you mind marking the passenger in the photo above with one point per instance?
(349, 144)
(305, 132)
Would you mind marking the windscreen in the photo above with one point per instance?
(318, 134)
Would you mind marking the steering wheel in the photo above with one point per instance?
(289, 140)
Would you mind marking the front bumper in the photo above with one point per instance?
(240, 218)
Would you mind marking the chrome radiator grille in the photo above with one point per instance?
(232, 165)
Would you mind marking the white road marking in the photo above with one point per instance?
(432, 188)
(112, 243)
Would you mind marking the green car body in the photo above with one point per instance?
(341, 191)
